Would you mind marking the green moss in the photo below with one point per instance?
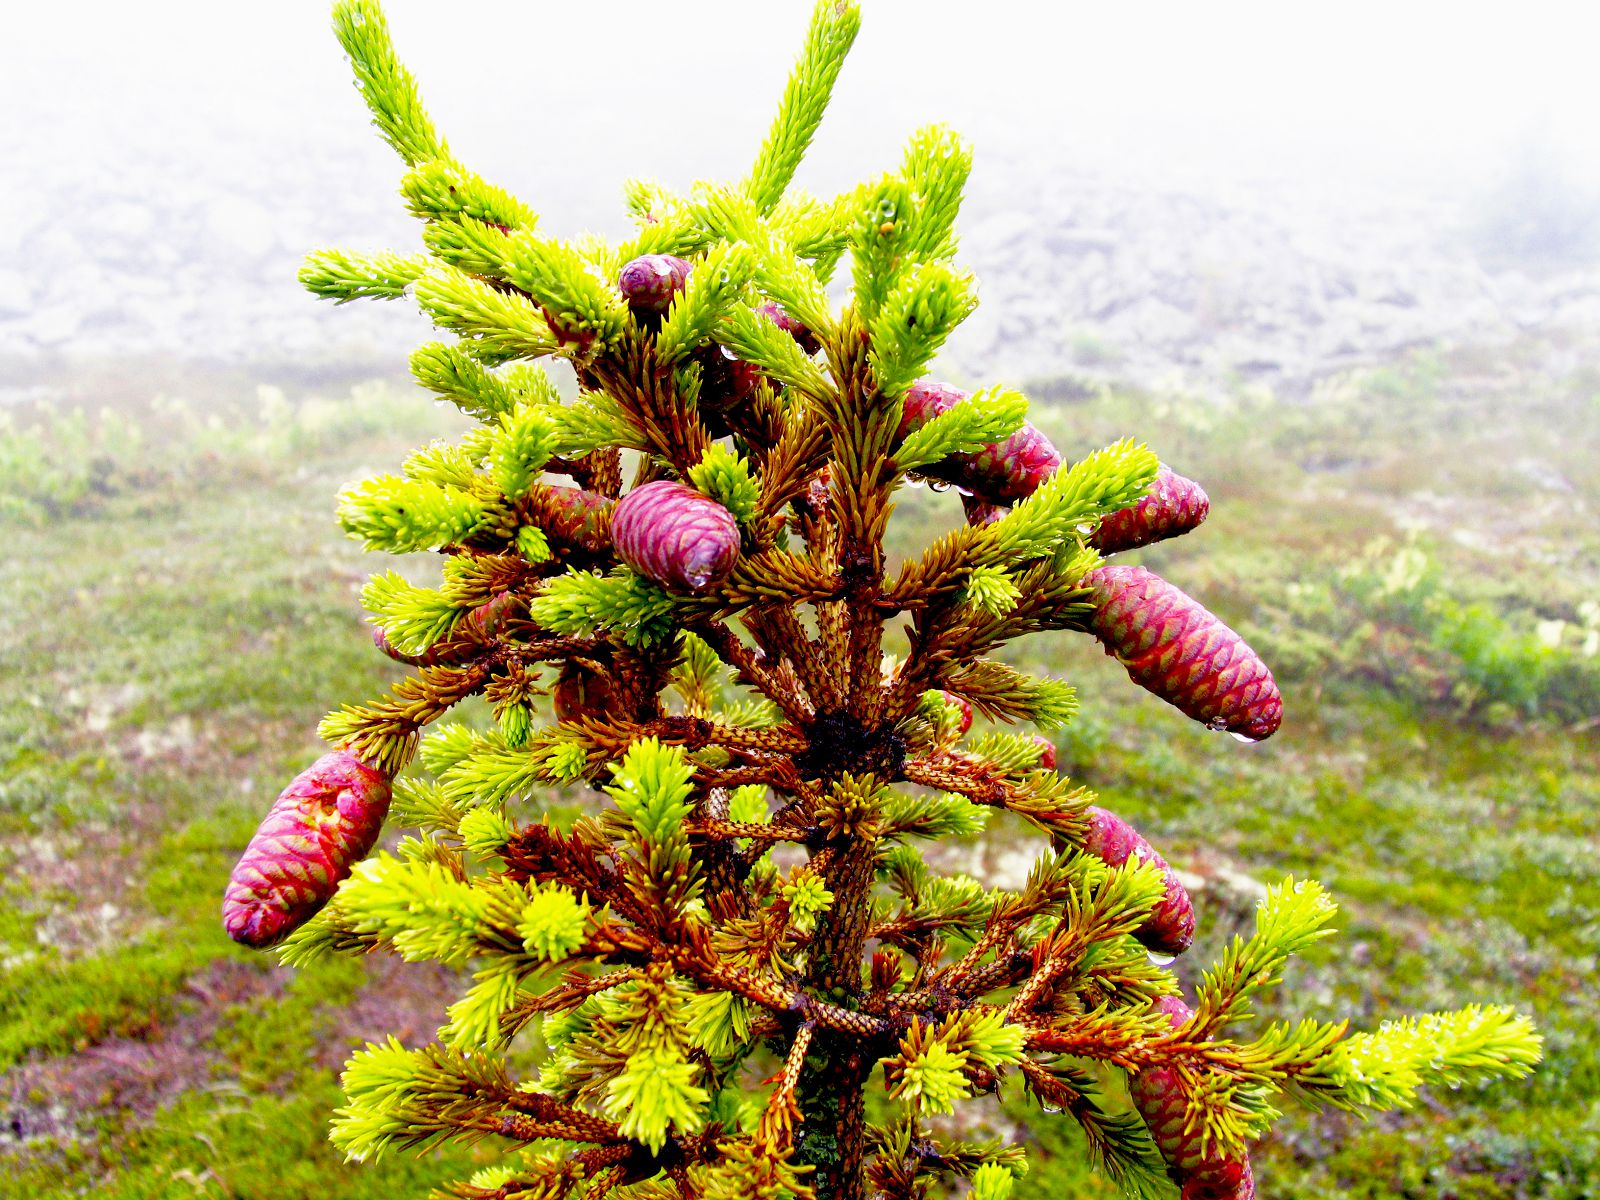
(56, 1006)
(222, 1143)
(1461, 853)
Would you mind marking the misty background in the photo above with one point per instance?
(1199, 195)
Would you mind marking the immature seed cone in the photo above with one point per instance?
(572, 517)
(1047, 752)
(316, 831)
(648, 283)
(1173, 505)
(1173, 647)
(1163, 1101)
(999, 473)
(804, 337)
(964, 706)
(981, 512)
(726, 381)
(489, 620)
(1170, 927)
(380, 639)
(675, 536)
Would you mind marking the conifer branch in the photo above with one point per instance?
(388, 88)
(834, 24)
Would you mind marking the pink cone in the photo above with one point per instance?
(1170, 927)
(1174, 505)
(1160, 1095)
(803, 337)
(1173, 647)
(316, 831)
(648, 283)
(965, 707)
(675, 536)
(999, 473)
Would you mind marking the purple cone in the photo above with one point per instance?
(1001, 472)
(1170, 927)
(1173, 505)
(675, 536)
(806, 340)
(648, 283)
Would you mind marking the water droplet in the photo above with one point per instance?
(1160, 960)
(938, 485)
(961, 491)
(1245, 738)
(1085, 529)
(915, 483)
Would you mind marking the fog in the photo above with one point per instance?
(1422, 94)
(166, 164)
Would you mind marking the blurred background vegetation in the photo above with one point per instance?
(1413, 549)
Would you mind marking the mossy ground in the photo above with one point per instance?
(174, 633)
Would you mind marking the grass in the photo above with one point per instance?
(181, 629)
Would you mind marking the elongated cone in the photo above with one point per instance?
(1173, 647)
(999, 473)
(572, 517)
(316, 831)
(648, 283)
(1170, 927)
(675, 536)
(1173, 505)
(1163, 1101)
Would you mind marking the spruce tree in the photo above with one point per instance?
(706, 983)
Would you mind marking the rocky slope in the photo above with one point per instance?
(181, 255)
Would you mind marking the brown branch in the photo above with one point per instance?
(779, 629)
(647, 391)
(609, 1175)
(745, 829)
(778, 1118)
(546, 1110)
(754, 671)
(569, 992)
(712, 777)
(975, 783)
